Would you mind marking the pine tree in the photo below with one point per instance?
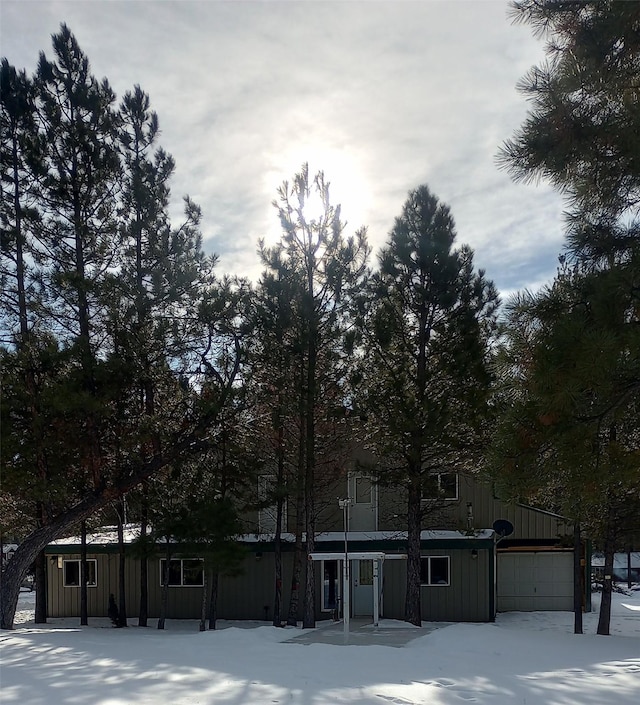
(20, 160)
(273, 355)
(427, 325)
(568, 432)
(581, 134)
(327, 269)
(91, 355)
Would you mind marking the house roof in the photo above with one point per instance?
(108, 537)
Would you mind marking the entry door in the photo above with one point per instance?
(364, 508)
(362, 581)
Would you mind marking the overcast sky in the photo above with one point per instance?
(382, 96)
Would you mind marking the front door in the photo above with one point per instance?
(362, 572)
(363, 515)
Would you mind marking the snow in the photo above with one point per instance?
(108, 535)
(524, 658)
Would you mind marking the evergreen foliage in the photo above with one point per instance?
(113, 322)
(571, 360)
(428, 323)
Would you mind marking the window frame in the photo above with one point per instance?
(90, 584)
(429, 582)
(182, 582)
(440, 497)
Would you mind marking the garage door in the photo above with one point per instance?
(535, 581)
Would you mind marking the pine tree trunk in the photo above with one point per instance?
(40, 565)
(604, 618)
(294, 597)
(213, 603)
(204, 602)
(143, 613)
(277, 539)
(164, 600)
(296, 575)
(84, 601)
(577, 580)
(11, 581)
(309, 607)
(122, 566)
(277, 557)
(412, 607)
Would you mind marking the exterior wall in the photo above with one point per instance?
(249, 594)
(65, 601)
(528, 523)
(466, 599)
(245, 596)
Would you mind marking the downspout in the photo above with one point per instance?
(493, 580)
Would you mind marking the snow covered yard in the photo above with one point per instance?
(530, 659)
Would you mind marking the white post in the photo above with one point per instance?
(376, 595)
(344, 505)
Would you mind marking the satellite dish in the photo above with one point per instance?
(503, 527)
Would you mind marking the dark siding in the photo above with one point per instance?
(466, 599)
(528, 523)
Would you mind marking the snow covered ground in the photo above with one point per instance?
(524, 658)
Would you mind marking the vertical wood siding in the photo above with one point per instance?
(465, 599)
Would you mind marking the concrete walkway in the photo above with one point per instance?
(389, 632)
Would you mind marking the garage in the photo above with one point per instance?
(529, 581)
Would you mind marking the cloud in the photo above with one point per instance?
(383, 96)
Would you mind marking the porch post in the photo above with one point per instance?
(376, 596)
(344, 505)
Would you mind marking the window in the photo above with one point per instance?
(365, 573)
(183, 572)
(442, 485)
(434, 570)
(363, 490)
(71, 573)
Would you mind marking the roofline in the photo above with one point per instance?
(543, 511)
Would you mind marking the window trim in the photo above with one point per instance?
(182, 583)
(79, 561)
(439, 475)
(432, 584)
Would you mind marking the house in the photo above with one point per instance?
(479, 556)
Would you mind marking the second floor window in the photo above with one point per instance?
(442, 485)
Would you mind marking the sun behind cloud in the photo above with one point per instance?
(348, 185)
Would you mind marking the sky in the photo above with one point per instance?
(524, 657)
(383, 96)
